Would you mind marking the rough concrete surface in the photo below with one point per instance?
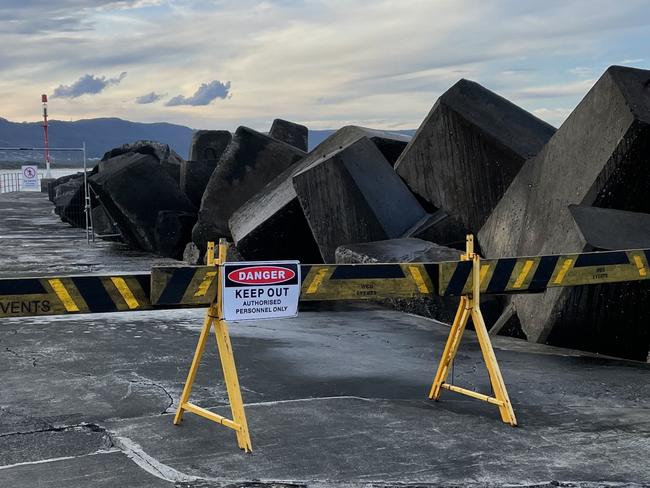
(468, 149)
(250, 161)
(405, 250)
(272, 225)
(608, 229)
(334, 397)
(353, 195)
(133, 192)
(208, 145)
(597, 157)
(295, 134)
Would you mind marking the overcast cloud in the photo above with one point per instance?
(324, 63)
(148, 98)
(87, 85)
(204, 95)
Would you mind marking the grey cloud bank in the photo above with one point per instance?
(204, 95)
(148, 98)
(87, 85)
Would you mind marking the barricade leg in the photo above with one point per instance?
(196, 360)
(451, 347)
(232, 384)
(496, 379)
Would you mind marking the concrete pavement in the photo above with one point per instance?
(335, 397)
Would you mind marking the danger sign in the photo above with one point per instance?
(260, 290)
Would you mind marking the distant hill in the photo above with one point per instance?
(101, 135)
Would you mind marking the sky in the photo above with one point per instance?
(324, 63)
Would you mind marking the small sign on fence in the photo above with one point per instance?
(261, 290)
(29, 178)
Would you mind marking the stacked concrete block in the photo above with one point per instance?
(272, 224)
(209, 145)
(68, 195)
(598, 157)
(467, 151)
(133, 192)
(167, 158)
(250, 162)
(605, 229)
(205, 151)
(354, 195)
(294, 134)
(402, 250)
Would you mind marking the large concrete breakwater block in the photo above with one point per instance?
(206, 149)
(173, 231)
(68, 194)
(209, 144)
(250, 162)
(195, 176)
(295, 134)
(354, 195)
(599, 157)
(468, 149)
(167, 157)
(401, 250)
(272, 225)
(606, 229)
(133, 191)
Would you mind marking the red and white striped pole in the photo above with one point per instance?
(48, 174)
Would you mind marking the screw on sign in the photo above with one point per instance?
(261, 290)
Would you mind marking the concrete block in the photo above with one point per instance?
(134, 193)
(443, 229)
(605, 229)
(173, 231)
(291, 133)
(597, 158)
(168, 159)
(194, 178)
(404, 250)
(271, 225)
(353, 195)
(250, 162)
(209, 144)
(411, 250)
(104, 226)
(468, 149)
(68, 198)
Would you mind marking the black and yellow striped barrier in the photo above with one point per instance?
(20, 297)
(536, 274)
(196, 286)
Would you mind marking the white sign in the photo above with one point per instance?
(260, 290)
(29, 178)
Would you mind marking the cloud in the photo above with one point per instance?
(556, 90)
(148, 98)
(554, 116)
(87, 84)
(39, 16)
(204, 95)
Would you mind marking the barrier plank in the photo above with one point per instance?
(21, 297)
(196, 286)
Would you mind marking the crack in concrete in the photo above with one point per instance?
(65, 428)
(146, 381)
